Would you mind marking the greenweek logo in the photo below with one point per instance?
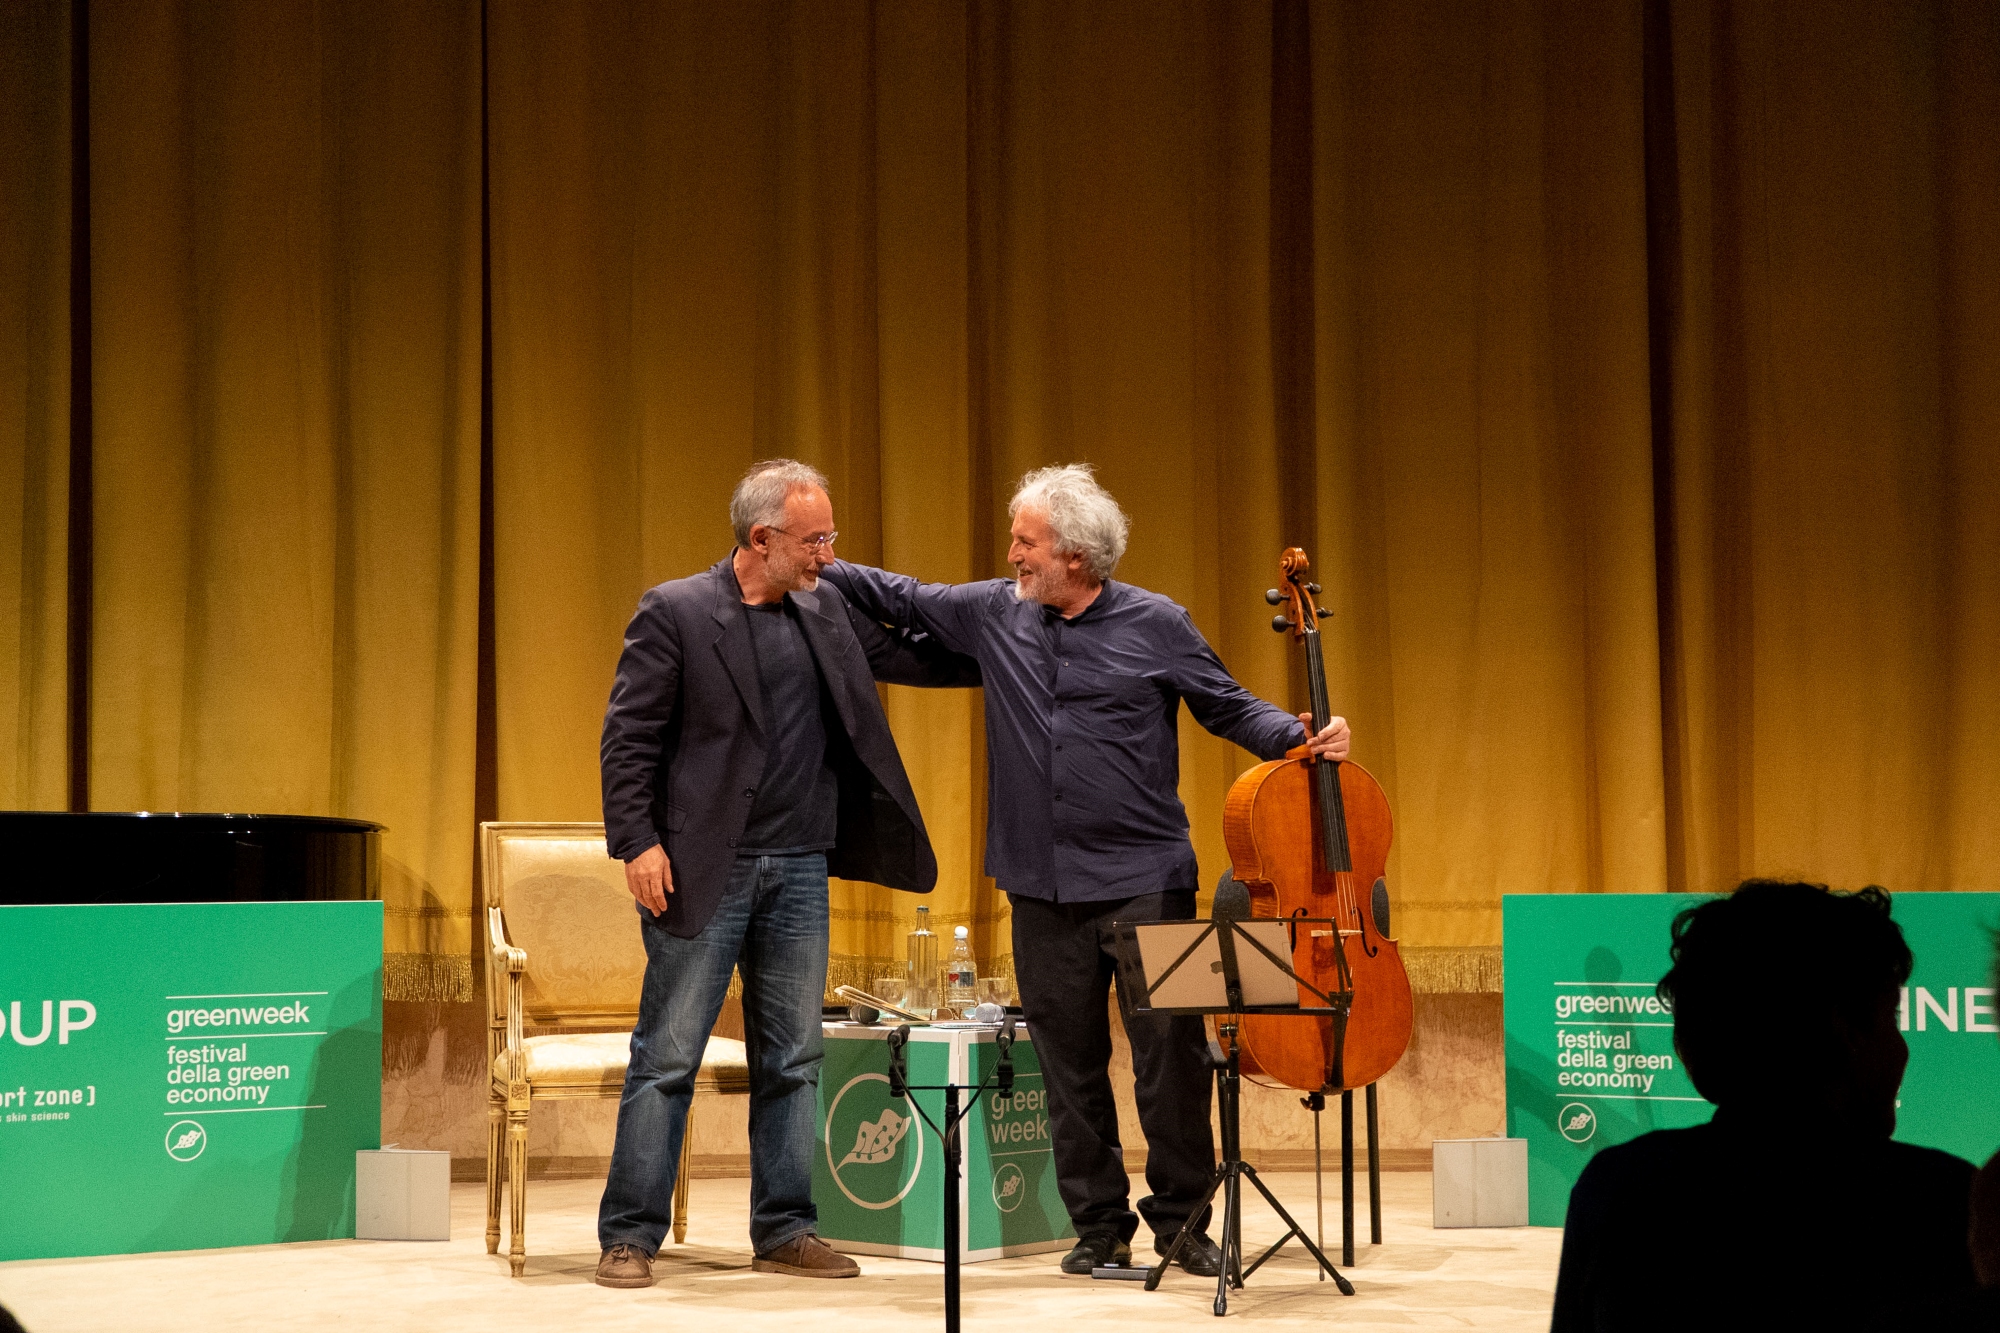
(875, 1172)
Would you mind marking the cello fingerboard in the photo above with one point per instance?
(1332, 811)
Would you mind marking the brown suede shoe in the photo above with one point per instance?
(806, 1256)
(624, 1266)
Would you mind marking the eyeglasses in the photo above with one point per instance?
(811, 543)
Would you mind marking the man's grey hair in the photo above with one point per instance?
(1084, 517)
(760, 497)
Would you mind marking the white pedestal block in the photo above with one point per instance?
(1479, 1183)
(402, 1195)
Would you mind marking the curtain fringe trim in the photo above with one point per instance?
(1454, 970)
(427, 978)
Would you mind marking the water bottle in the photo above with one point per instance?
(922, 996)
(961, 975)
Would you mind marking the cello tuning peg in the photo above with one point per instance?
(1323, 612)
(1273, 596)
(1313, 588)
(1281, 623)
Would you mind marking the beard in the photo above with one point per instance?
(792, 573)
(1046, 587)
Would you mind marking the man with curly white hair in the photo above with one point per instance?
(1084, 680)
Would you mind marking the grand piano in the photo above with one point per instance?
(149, 857)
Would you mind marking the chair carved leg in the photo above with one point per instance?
(681, 1179)
(517, 1180)
(495, 1121)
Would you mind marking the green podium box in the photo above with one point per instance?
(878, 1174)
(185, 1076)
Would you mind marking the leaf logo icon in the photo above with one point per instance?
(1009, 1187)
(876, 1141)
(1577, 1122)
(185, 1140)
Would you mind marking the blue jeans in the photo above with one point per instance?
(772, 921)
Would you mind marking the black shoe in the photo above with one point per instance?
(1199, 1256)
(1100, 1249)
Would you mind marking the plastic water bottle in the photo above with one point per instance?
(922, 995)
(961, 975)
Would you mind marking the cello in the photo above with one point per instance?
(1311, 839)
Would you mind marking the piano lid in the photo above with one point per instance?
(180, 857)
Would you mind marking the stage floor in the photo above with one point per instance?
(1420, 1278)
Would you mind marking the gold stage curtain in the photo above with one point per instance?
(1390, 284)
(1830, 311)
(34, 405)
(1484, 457)
(954, 245)
(1627, 370)
(286, 376)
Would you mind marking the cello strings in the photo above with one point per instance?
(1339, 856)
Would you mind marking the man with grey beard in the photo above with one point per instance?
(1084, 680)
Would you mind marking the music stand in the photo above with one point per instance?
(1224, 968)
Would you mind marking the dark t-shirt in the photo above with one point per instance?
(797, 805)
(1762, 1225)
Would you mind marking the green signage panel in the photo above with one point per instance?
(878, 1174)
(185, 1076)
(1590, 1050)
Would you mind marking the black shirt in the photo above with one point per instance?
(797, 805)
(1760, 1222)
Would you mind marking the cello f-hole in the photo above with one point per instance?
(1351, 903)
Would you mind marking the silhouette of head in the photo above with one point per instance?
(1785, 996)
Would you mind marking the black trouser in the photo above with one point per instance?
(1063, 962)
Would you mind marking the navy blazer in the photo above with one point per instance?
(684, 739)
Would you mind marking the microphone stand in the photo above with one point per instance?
(1001, 1077)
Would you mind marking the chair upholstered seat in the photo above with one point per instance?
(595, 1062)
